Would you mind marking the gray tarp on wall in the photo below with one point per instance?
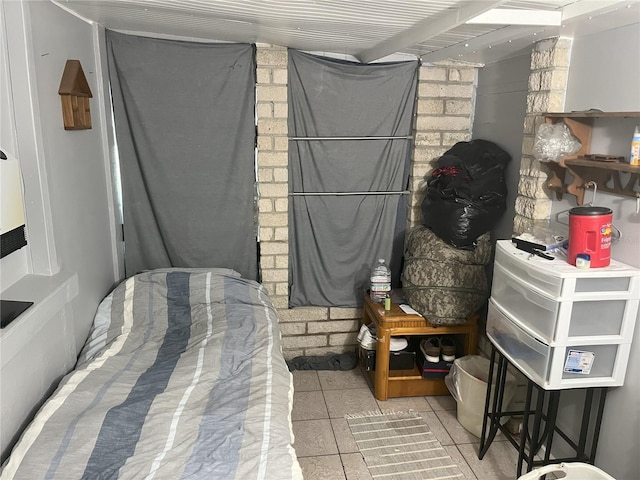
(184, 116)
(334, 240)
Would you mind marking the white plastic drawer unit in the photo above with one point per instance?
(558, 321)
(563, 305)
(557, 367)
(557, 278)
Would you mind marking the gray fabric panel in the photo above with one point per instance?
(348, 165)
(332, 97)
(184, 116)
(334, 241)
(335, 272)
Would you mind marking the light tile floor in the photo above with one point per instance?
(327, 451)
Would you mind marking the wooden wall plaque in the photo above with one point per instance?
(75, 94)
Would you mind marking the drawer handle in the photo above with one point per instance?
(532, 297)
(538, 276)
(531, 272)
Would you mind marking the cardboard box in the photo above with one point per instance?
(402, 360)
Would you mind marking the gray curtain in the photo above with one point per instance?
(185, 128)
(335, 239)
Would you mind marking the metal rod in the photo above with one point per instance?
(537, 419)
(486, 442)
(344, 194)
(596, 433)
(586, 417)
(569, 441)
(498, 392)
(405, 137)
(525, 427)
(552, 413)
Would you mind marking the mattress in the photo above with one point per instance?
(181, 377)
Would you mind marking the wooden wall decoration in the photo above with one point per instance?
(75, 94)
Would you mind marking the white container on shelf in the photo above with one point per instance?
(562, 326)
(557, 366)
(559, 321)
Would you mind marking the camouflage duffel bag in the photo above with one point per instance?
(441, 282)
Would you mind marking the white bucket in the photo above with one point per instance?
(467, 382)
(574, 471)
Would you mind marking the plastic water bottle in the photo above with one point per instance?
(380, 281)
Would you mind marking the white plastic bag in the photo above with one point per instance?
(553, 141)
(467, 379)
(467, 382)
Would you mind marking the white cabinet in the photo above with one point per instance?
(565, 327)
(557, 278)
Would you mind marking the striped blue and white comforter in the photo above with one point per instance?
(182, 377)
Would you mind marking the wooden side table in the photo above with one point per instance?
(408, 383)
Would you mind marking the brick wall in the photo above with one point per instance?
(444, 116)
(271, 106)
(546, 93)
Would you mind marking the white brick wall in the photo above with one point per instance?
(546, 93)
(272, 143)
(443, 117)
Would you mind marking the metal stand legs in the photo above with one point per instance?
(541, 415)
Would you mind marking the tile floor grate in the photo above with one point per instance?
(400, 446)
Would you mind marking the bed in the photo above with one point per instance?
(181, 377)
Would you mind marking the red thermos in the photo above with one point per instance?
(590, 232)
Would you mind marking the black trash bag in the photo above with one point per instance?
(479, 155)
(466, 194)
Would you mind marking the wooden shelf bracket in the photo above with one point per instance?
(612, 177)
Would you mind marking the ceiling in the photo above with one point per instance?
(476, 31)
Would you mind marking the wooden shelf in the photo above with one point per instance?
(611, 177)
(406, 383)
(405, 374)
(592, 114)
(606, 175)
(409, 383)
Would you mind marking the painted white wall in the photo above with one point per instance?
(605, 74)
(78, 178)
(39, 347)
(604, 71)
(7, 134)
(501, 105)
